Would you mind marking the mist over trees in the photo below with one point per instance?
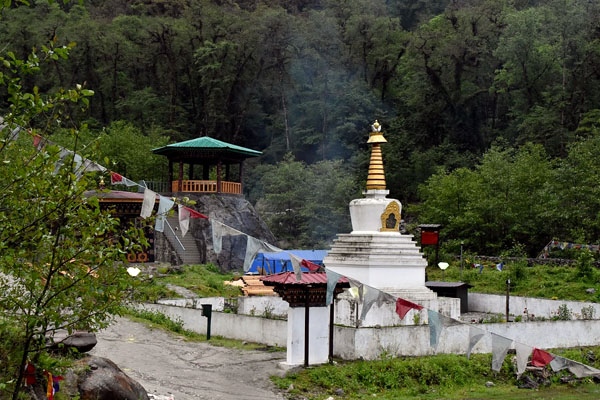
(447, 79)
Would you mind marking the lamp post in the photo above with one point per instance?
(461, 258)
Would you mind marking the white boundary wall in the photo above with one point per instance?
(494, 303)
(370, 343)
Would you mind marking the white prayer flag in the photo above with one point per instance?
(164, 206)
(184, 219)
(500, 346)
(523, 353)
(332, 280)
(296, 261)
(148, 204)
(475, 335)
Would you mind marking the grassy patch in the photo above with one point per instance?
(157, 320)
(552, 282)
(204, 280)
(445, 376)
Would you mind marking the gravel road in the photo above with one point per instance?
(165, 364)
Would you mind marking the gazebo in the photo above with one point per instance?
(206, 152)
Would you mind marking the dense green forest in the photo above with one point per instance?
(302, 81)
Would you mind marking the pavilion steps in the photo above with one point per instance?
(191, 255)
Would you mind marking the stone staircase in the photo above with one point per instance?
(186, 247)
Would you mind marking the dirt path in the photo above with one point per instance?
(167, 365)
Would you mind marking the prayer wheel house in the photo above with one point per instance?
(377, 254)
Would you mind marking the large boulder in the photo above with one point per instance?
(80, 341)
(98, 378)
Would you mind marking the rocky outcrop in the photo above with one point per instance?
(98, 378)
(232, 210)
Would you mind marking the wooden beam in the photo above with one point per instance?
(180, 177)
(170, 178)
(219, 176)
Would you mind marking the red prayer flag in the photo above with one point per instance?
(541, 358)
(36, 140)
(195, 214)
(115, 178)
(29, 374)
(404, 306)
(312, 267)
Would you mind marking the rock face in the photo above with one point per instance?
(231, 210)
(99, 378)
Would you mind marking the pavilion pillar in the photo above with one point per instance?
(191, 172)
(242, 175)
(170, 177)
(219, 165)
(180, 186)
(205, 171)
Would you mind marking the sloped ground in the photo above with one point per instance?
(168, 365)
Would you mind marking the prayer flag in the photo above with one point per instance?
(475, 335)
(29, 374)
(500, 266)
(500, 346)
(148, 204)
(332, 280)
(581, 370)
(404, 306)
(541, 358)
(435, 327)
(253, 247)
(370, 295)
(116, 179)
(356, 284)
(195, 214)
(559, 363)
(218, 231)
(164, 205)
(184, 219)
(56, 384)
(49, 386)
(523, 353)
(311, 266)
(296, 261)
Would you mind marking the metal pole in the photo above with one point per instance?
(507, 297)
(461, 259)
(331, 319)
(306, 324)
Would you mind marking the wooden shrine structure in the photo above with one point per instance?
(127, 207)
(207, 153)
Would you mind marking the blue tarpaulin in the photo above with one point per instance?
(273, 263)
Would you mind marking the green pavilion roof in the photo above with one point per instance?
(205, 143)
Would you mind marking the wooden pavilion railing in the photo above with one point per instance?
(197, 186)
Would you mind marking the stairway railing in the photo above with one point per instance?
(174, 240)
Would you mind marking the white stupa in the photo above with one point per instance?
(375, 252)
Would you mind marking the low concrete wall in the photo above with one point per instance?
(369, 343)
(217, 303)
(272, 332)
(493, 303)
(263, 306)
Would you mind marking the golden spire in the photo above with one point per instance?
(376, 178)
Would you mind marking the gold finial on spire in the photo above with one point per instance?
(376, 178)
(376, 136)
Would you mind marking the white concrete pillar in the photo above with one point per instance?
(318, 349)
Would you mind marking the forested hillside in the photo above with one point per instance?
(447, 79)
